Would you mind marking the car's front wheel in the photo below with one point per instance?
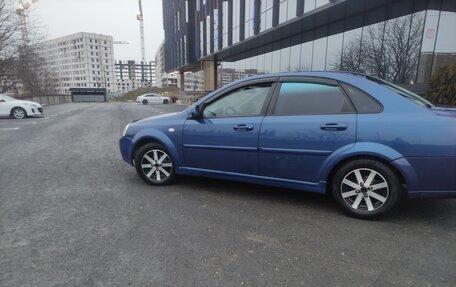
(18, 113)
(366, 188)
(145, 102)
(154, 164)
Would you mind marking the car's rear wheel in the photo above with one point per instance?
(18, 113)
(366, 188)
(145, 102)
(165, 101)
(154, 164)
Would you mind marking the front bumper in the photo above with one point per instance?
(126, 149)
(35, 111)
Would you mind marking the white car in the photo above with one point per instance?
(153, 99)
(18, 109)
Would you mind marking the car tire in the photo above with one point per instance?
(154, 164)
(18, 113)
(165, 101)
(366, 189)
(145, 102)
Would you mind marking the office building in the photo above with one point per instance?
(404, 41)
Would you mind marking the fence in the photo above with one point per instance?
(48, 100)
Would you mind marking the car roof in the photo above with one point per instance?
(348, 77)
(336, 75)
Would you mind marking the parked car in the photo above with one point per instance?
(18, 109)
(365, 140)
(153, 99)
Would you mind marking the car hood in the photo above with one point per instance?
(442, 111)
(160, 118)
(29, 103)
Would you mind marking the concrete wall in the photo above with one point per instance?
(49, 100)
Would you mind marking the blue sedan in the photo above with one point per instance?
(366, 141)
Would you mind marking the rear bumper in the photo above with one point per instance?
(429, 177)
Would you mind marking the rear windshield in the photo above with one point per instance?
(403, 92)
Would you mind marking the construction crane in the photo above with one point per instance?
(140, 18)
(21, 10)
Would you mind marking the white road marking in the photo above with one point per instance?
(9, 129)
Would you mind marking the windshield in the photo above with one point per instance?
(403, 92)
(7, 98)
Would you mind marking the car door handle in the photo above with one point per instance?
(243, 127)
(334, 127)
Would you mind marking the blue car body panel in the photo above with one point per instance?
(207, 140)
(293, 152)
(295, 147)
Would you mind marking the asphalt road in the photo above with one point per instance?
(72, 213)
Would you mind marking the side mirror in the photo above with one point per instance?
(196, 112)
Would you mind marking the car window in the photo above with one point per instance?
(300, 98)
(246, 101)
(364, 103)
(403, 92)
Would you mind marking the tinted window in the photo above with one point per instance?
(246, 101)
(311, 99)
(403, 92)
(364, 103)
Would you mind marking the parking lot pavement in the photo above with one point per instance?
(72, 213)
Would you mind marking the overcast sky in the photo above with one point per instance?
(116, 18)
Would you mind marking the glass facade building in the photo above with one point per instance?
(404, 41)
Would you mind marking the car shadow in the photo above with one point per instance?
(410, 210)
(421, 210)
(254, 192)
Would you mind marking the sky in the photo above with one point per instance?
(116, 18)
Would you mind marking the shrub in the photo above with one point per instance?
(173, 98)
(442, 88)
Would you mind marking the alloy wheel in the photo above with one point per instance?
(156, 165)
(18, 113)
(364, 189)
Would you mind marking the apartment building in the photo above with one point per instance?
(194, 82)
(81, 60)
(131, 75)
(164, 79)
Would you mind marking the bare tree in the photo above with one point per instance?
(34, 72)
(9, 37)
(23, 70)
(389, 50)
